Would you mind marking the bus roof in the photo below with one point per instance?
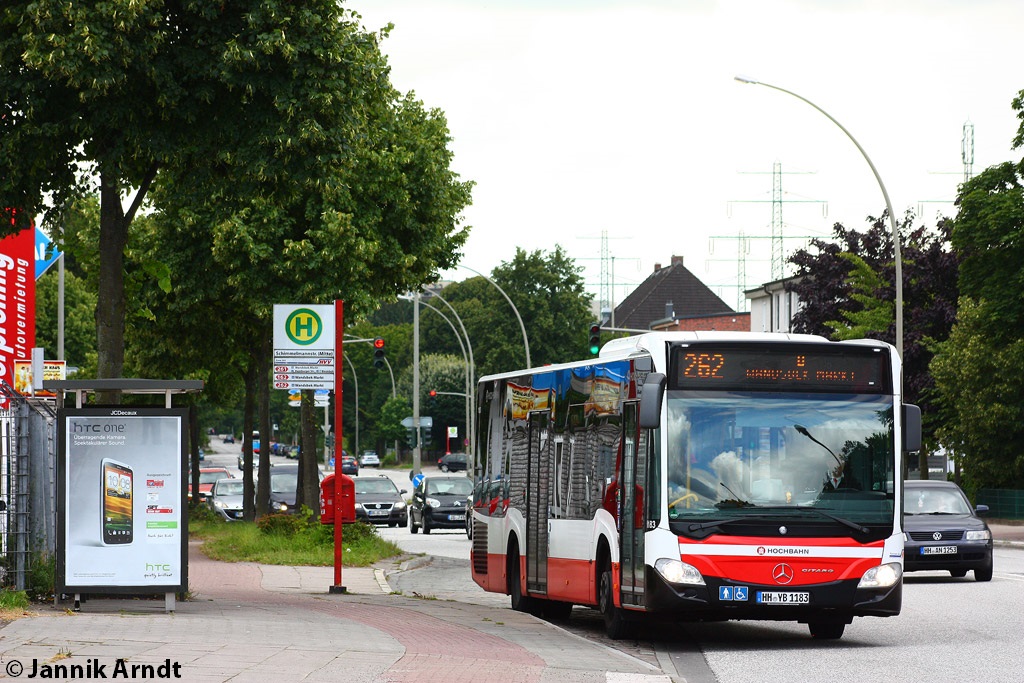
(642, 344)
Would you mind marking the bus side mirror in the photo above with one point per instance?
(650, 401)
(911, 427)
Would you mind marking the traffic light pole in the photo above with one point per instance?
(416, 381)
(339, 350)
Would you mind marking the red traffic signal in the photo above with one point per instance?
(378, 352)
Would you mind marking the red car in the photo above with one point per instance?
(208, 476)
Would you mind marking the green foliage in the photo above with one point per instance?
(42, 576)
(280, 524)
(874, 315)
(13, 600)
(300, 541)
(989, 233)
(980, 391)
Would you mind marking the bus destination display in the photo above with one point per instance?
(813, 368)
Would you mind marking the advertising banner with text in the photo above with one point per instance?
(121, 504)
(17, 302)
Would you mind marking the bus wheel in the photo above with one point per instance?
(615, 625)
(520, 602)
(825, 630)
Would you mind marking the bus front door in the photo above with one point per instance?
(632, 479)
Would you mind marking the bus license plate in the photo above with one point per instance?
(456, 518)
(783, 598)
(938, 550)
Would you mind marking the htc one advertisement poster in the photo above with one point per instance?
(122, 500)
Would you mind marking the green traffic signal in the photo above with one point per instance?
(595, 339)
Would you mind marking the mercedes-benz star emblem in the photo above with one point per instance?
(782, 573)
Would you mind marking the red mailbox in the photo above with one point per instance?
(348, 499)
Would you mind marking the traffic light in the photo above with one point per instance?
(378, 353)
(595, 338)
(410, 436)
(433, 398)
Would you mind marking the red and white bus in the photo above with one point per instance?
(697, 476)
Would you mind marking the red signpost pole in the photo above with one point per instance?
(339, 336)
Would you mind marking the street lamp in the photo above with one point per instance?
(522, 327)
(888, 206)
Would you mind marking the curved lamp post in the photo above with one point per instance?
(526, 342)
(888, 206)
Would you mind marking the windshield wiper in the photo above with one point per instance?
(835, 518)
(735, 502)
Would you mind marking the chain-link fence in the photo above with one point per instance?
(27, 485)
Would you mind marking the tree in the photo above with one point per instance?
(828, 292)
(980, 396)
(874, 314)
(978, 371)
(267, 111)
(548, 291)
(989, 235)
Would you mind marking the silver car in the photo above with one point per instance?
(226, 498)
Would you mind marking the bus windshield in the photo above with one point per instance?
(774, 456)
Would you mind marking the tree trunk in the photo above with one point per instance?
(248, 482)
(309, 481)
(110, 311)
(193, 450)
(263, 362)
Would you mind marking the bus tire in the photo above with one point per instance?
(826, 630)
(615, 625)
(520, 602)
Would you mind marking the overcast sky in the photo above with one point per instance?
(579, 119)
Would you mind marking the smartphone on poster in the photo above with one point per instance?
(117, 502)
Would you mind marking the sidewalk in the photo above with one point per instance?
(1007, 533)
(258, 623)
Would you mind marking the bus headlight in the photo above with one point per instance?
(675, 571)
(882, 576)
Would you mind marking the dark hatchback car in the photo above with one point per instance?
(439, 503)
(349, 465)
(284, 482)
(941, 531)
(378, 501)
(453, 462)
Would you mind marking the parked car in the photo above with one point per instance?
(226, 498)
(229, 438)
(453, 462)
(284, 482)
(349, 465)
(379, 501)
(369, 459)
(208, 476)
(439, 503)
(941, 531)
